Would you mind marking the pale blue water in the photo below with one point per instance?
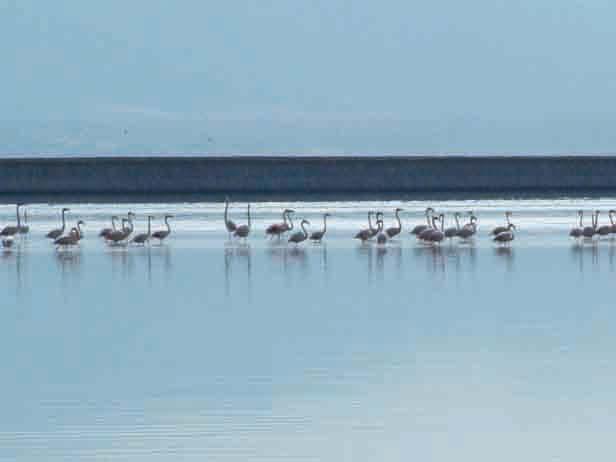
(203, 349)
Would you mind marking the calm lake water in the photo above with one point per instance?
(206, 349)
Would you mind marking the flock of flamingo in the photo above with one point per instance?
(433, 231)
(112, 235)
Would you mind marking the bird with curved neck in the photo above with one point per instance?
(381, 237)
(425, 234)
(506, 236)
(243, 231)
(229, 224)
(121, 235)
(71, 240)
(395, 230)
(106, 231)
(417, 230)
(453, 231)
(163, 234)
(469, 229)
(300, 236)
(80, 223)
(56, 233)
(10, 231)
(278, 229)
(589, 231)
(317, 236)
(578, 231)
(606, 229)
(142, 238)
(437, 235)
(500, 229)
(23, 228)
(375, 231)
(366, 233)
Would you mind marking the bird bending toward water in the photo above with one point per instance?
(106, 231)
(71, 240)
(505, 236)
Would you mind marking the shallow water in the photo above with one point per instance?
(205, 348)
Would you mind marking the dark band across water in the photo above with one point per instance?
(280, 175)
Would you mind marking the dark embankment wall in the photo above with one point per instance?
(323, 175)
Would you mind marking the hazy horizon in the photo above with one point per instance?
(321, 78)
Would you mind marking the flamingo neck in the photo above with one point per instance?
(370, 221)
(290, 221)
(304, 229)
(18, 219)
(324, 223)
(149, 226)
(457, 221)
(63, 221)
(398, 219)
(248, 213)
(226, 211)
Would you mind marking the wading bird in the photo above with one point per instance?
(500, 229)
(11, 231)
(417, 230)
(72, 239)
(278, 229)
(395, 230)
(56, 233)
(229, 224)
(453, 232)
(505, 236)
(243, 231)
(80, 223)
(106, 231)
(317, 236)
(578, 231)
(23, 228)
(162, 234)
(144, 237)
(589, 231)
(300, 236)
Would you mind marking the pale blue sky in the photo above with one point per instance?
(312, 76)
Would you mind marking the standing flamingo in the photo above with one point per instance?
(243, 231)
(469, 229)
(68, 241)
(606, 229)
(589, 231)
(375, 231)
(417, 230)
(229, 224)
(23, 229)
(11, 231)
(144, 237)
(162, 234)
(278, 229)
(365, 234)
(381, 237)
(437, 235)
(395, 230)
(425, 234)
(453, 232)
(80, 223)
(300, 236)
(578, 231)
(317, 236)
(105, 231)
(505, 236)
(56, 233)
(500, 229)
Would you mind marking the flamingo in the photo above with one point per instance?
(365, 233)
(395, 230)
(578, 231)
(120, 235)
(56, 233)
(144, 237)
(11, 231)
(606, 229)
(381, 237)
(505, 236)
(469, 229)
(437, 235)
(417, 230)
(317, 236)
(612, 212)
(589, 231)
(425, 235)
(375, 231)
(70, 240)
(105, 231)
(300, 236)
(80, 223)
(24, 229)
(501, 229)
(229, 224)
(278, 229)
(453, 232)
(164, 233)
(243, 231)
